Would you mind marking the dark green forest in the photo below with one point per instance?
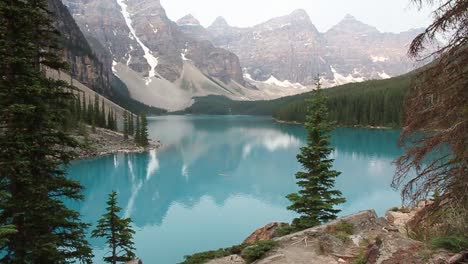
(370, 103)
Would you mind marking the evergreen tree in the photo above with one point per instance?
(103, 114)
(78, 107)
(97, 112)
(131, 127)
(125, 125)
(117, 232)
(316, 199)
(33, 149)
(143, 140)
(90, 111)
(5, 230)
(137, 131)
(115, 121)
(84, 111)
(110, 121)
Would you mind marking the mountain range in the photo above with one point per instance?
(165, 63)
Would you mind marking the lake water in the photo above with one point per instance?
(217, 179)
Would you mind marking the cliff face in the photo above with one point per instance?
(139, 34)
(289, 49)
(160, 64)
(87, 64)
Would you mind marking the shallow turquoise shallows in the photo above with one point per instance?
(217, 179)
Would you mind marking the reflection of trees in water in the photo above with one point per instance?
(367, 142)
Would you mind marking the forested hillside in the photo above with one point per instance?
(371, 103)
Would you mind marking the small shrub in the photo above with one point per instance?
(395, 209)
(257, 250)
(203, 257)
(360, 259)
(455, 243)
(285, 230)
(341, 227)
(342, 236)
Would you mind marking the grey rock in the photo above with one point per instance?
(166, 40)
(291, 48)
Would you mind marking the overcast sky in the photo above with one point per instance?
(386, 15)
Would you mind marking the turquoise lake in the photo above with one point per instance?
(218, 178)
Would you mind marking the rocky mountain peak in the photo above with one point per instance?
(298, 21)
(188, 20)
(220, 22)
(350, 24)
(299, 14)
(349, 17)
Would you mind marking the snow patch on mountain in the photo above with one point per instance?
(285, 83)
(155, 30)
(384, 75)
(184, 52)
(341, 79)
(379, 58)
(113, 67)
(152, 60)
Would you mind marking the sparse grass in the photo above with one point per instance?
(285, 230)
(258, 250)
(454, 243)
(203, 257)
(250, 252)
(343, 237)
(342, 230)
(360, 259)
(342, 226)
(425, 254)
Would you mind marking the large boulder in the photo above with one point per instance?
(264, 233)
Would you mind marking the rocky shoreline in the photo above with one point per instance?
(102, 142)
(371, 239)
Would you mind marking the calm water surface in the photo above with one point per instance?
(216, 179)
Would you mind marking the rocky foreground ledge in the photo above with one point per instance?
(103, 142)
(371, 239)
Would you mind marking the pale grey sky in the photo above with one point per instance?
(386, 15)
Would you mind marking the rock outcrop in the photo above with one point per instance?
(264, 233)
(165, 64)
(88, 64)
(160, 64)
(373, 240)
(290, 49)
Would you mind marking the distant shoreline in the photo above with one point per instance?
(356, 126)
(103, 142)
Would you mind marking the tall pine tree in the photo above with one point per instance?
(33, 148)
(78, 107)
(90, 112)
(143, 140)
(103, 114)
(125, 125)
(137, 131)
(97, 111)
(117, 231)
(316, 199)
(110, 119)
(84, 110)
(131, 124)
